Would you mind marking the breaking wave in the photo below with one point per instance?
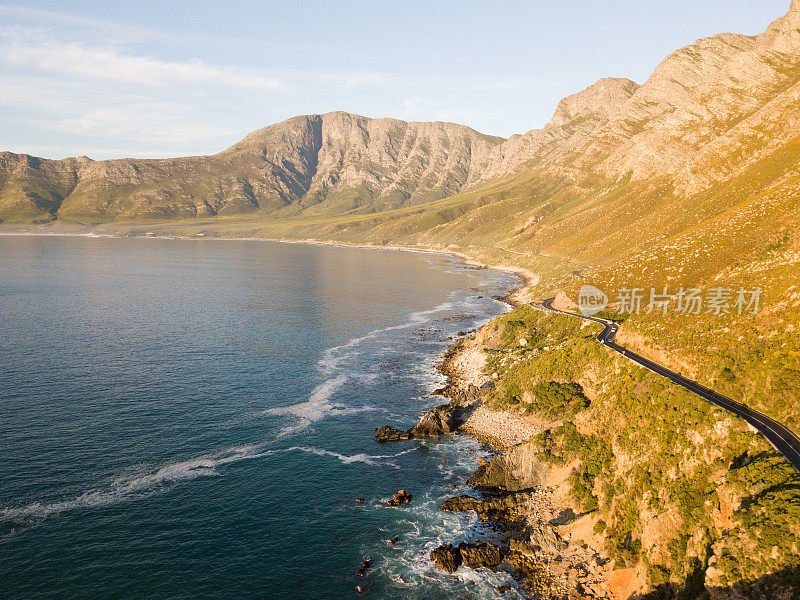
(148, 484)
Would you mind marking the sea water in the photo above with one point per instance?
(194, 419)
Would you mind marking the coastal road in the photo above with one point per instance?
(781, 437)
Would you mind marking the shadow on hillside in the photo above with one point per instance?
(783, 585)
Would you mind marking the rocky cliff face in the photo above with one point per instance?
(335, 162)
(707, 111)
(575, 120)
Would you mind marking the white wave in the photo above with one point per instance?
(356, 458)
(138, 487)
(118, 492)
(148, 484)
(318, 406)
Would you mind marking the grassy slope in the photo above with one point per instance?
(675, 488)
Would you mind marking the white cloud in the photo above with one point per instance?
(26, 50)
(74, 85)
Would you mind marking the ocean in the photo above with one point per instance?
(194, 419)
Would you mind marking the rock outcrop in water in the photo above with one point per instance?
(447, 558)
(390, 434)
(447, 418)
(475, 555)
(480, 555)
(437, 421)
(400, 497)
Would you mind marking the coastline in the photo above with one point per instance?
(533, 516)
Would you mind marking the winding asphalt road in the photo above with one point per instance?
(782, 438)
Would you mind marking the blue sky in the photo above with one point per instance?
(178, 78)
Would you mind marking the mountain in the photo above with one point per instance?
(708, 111)
(336, 162)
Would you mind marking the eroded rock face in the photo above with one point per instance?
(468, 503)
(447, 558)
(390, 434)
(473, 555)
(480, 554)
(437, 421)
(447, 418)
(708, 110)
(576, 118)
(515, 470)
(546, 538)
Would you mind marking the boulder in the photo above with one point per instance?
(447, 558)
(479, 555)
(468, 503)
(437, 421)
(462, 504)
(400, 497)
(514, 470)
(547, 538)
(447, 418)
(390, 434)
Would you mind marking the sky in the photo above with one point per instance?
(176, 78)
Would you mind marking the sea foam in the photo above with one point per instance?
(161, 480)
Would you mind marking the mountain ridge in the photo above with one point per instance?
(708, 111)
(360, 163)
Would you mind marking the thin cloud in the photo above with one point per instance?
(22, 50)
(152, 122)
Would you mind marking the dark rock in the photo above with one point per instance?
(497, 474)
(503, 589)
(361, 572)
(489, 385)
(447, 558)
(400, 497)
(462, 504)
(366, 564)
(447, 418)
(565, 517)
(480, 555)
(390, 434)
(394, 540)
(437, 421)
(360, 500)
(468, 503)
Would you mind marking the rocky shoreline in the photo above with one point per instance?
(511, 491)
